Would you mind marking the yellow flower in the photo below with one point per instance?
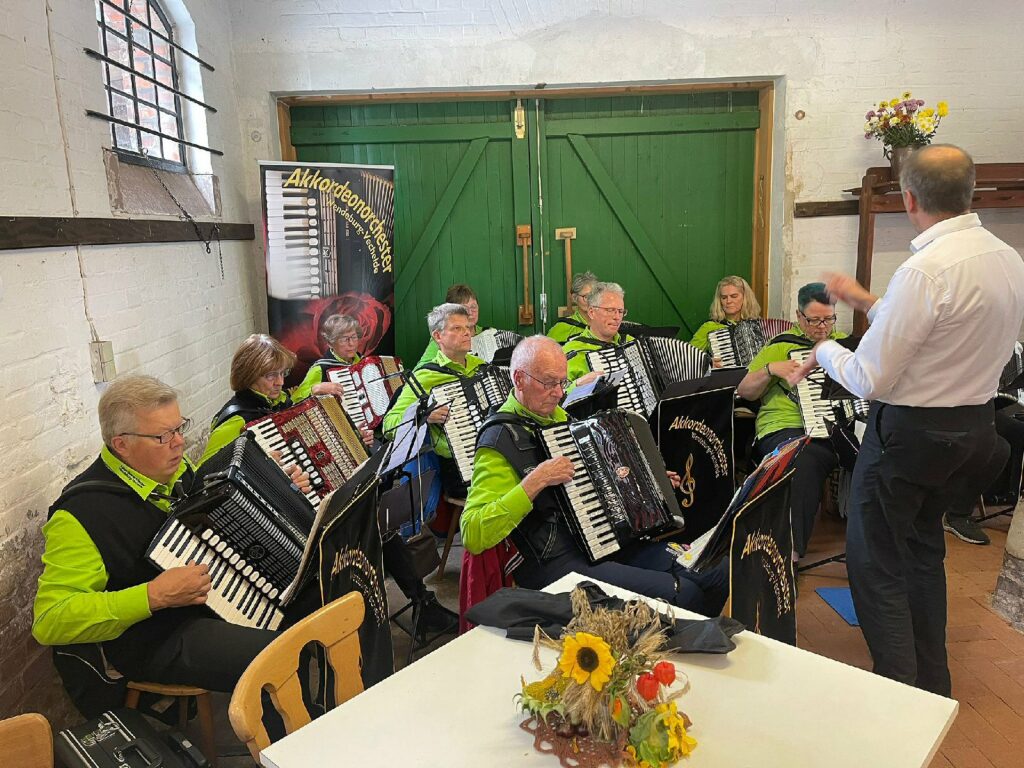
(894, 102)
(906, 95)
(927, 112)
(586, 658)
(943, 108)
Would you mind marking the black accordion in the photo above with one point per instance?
(470, 401)
(650, 363)
(736, 345)
(249, 524)
(1011, 381)
(620, 491)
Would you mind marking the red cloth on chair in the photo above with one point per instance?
(483, 575)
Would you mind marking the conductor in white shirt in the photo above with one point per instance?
(930, 362)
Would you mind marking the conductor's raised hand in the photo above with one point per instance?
(847, 290)
(177, 587)
(795, 372)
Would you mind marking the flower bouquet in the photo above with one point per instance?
(611, 700)
(903, 122)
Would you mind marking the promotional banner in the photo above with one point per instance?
(328, 235)
(694, 434)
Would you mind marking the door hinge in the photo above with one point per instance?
(519, 119)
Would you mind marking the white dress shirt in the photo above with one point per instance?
(946, 326)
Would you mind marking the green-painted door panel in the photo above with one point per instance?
(457, 173)
(660, 191)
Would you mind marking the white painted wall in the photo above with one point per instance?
(169, 309)
(831, 60)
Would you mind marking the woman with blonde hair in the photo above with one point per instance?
(734, 301)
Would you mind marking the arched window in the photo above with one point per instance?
(141, 79)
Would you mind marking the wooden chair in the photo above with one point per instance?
(208, 741)
(276, 669)
(26, 741)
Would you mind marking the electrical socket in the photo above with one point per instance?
(101, 354)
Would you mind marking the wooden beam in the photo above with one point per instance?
(18, 232)
(762, 213)
(303, 135)
(284, 127)
(865, 244)
(811, 210)
(404, 281)
(628, 126)
(501, 94)
(634, 229)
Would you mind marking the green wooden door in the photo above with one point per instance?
(461, 186)
(660, 190)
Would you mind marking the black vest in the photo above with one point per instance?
(122, 525)
(543, 534)
(249, 406)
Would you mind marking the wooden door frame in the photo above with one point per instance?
(762, 209)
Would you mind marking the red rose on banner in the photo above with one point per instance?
(304, 338)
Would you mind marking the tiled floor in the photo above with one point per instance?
(986, 655)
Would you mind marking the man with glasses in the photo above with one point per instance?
(930, 361)
(511, 496)
(606, 309)
(779, 419)
(566, 328)
(97, 586)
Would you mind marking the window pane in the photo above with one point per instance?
(113, 18)
(141, 35)
(168, 124)
(143, 62)
(151, 144)
(163, 74)
(140, 10)
(126, 138)
(161, 47)
(157, 24)
(122, 106)
(148, 117)
(120, 79)
(172, 151)
(146, 90)
(166, 99)
(117, 49)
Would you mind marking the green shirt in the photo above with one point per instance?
(229, 429)
(315, 375)
(585, 342)
(497, 502)
(562, 331)
(700, 338)
(71, 605)
(428, 380)
(432, 349)
(777, 410)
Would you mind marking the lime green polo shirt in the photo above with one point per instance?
(562, 331)
(586, 342)
(231, 428)
(497, 502)
(71, 605)
(777, 410)
(428, 380)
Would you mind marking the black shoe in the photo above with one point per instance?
(965, 529)
(434, 617)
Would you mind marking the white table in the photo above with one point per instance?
(766, 704)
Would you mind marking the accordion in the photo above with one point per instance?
(736, 345)
(249, 525)
(819, 413)
(650, 364)
(369, 388)
(490, 342)
(620, 491)
(1011, 381)
(470, 401)
(317, 436)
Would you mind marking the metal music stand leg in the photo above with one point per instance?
(418, 636)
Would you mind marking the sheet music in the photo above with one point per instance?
(409, 438)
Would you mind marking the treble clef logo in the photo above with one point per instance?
(688, 484)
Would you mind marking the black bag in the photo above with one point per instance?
(123, 739)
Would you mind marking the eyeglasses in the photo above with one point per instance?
(164, 437)
(818, 321)
(549, 384)
(347, 339)
(276, 375)
(611, 310)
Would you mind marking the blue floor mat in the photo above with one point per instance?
(841, 602)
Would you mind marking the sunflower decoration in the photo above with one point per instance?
(586, 658)
(611, 697)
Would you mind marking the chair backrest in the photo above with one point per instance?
(276, 669)
(26, 742)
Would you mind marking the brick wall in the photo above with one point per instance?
(171, 310)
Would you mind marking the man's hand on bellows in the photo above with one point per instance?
(846, 289)
(177, 587)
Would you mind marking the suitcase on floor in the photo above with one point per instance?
(123, 738)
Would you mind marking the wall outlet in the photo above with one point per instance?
(101, 354)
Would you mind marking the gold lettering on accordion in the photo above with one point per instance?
(775, 569)
(688, 485)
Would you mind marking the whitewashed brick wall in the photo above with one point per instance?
(167, 308)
